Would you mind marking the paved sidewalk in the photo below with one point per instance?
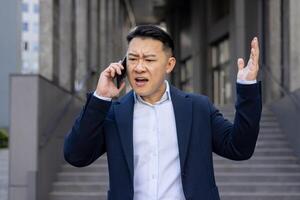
(3, 174)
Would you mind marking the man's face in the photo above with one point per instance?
(147, 65)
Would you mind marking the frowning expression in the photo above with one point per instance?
(147, 65)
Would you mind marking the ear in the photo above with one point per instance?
(170, 65)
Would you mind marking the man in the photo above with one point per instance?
(158, 139)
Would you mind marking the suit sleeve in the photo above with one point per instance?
(237, 141)
(86, 140)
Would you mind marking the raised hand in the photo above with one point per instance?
(249, 72)
(106, 86)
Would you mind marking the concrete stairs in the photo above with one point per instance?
(87, 183)
(272, 173)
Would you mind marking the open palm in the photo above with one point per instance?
(249, 72)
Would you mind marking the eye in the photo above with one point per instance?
(132, 59)
(149, 60)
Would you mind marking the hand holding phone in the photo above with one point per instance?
(106, 86)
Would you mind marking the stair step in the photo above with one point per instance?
(82, 176)
(80, 186)
(260, 158)
(270, 130)
(258, 187)
(55, 195)
(257, 177)
(271, 136)
(260, 195)
(256, 168)
(91, 168)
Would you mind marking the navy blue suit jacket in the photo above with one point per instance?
(106, 127)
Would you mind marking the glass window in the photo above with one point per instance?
(25, 26)
(35, 27)
(25, 7)
(220, 60)
(36, 8)
(186, 74)
(26, 46)
(35, 47)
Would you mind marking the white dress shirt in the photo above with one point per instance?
(156, 155)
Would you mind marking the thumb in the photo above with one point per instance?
(240, 63)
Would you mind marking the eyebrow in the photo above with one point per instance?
(147, 55)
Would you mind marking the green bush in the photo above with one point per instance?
(3, 138)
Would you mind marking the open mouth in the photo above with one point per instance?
(141, 81)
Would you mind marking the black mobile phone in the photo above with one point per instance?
(123, 73)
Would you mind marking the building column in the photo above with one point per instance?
(46, 39)
(102, 35)
(237, 38)
(118, 28)
(174, 22)
(110, 31)
(81, 43)
(200, 74)
(294, 46)
(93, 44)
(65, 43)
(272, 51)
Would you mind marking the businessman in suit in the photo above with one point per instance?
(159, 140)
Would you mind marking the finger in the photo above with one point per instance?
(117, 69)
(107, 72)
(253, 61)
(240, 63)
(112, 72)
(120, 65)
(255, 46)
(252, 54)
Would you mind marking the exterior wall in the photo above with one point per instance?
(287, 112)
(10, 53)
(38, 127)
(23, 138)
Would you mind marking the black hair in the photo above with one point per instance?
(154, 32)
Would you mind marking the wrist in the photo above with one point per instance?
(102, 96)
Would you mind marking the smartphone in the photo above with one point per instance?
(123, 73)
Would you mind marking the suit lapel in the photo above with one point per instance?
(182, 105)
(124, 119)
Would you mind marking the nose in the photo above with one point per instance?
(140, 66)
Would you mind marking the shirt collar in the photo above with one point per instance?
(165, 97)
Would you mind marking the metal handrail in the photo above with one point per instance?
(61, 115)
